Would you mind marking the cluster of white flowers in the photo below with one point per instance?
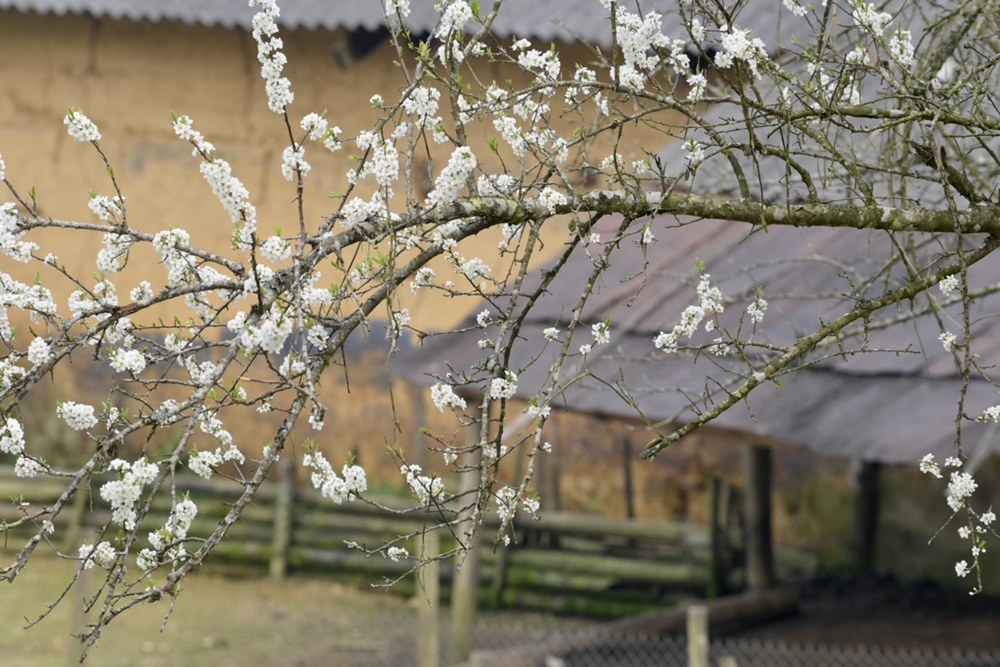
(203, 463)
(422, 278)
(948, 284)
(444, 396)
(422, 103)
(397, 553)
(358, 210)
(601, 332)
(132, 361)
(452, 177)
(80, 127)
(103, 554)
(11, 436)
(454, 17)
(543, 63)
(109, 210)
(550, 333)
(115, 246)
(272, 60)
(426, 489)
(350, 484)
(535, 409)
(234, 196)
(77, 415)
(697, 84)
(10, 235)
(39, 352)
(27, 467)
(550, 199)
(947, 339)
(179, 267)
(275, 249)
(737, 45)
(694, 152)
(639, 38)
(756, 310)
(869, 18)
(901, 48)
(710, 301)
(503, 388)
(402, 7)
(795, 8)
(293, 162)
(961, 487)
(507, 504)
(123, 493)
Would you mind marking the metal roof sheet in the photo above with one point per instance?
(893, 405)
(566, 20)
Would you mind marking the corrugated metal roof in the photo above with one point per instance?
(566, 20)
(893, 405)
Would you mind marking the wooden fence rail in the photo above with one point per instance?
(601, 566)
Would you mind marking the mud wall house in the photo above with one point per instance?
(129, 63)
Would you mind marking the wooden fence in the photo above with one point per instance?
(562, 562)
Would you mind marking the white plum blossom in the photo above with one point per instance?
(293, 162)
(503, 388)
(422, 278)
(77, 416)
(272, 60)
(315, 125)
(901, 48)
(275, 249)
(123, 493)
(947, 341)
(795, 8)
(697, 84)
(455, 16)
(737, 45)
(80, 127)
(601, 332)
(869, 18)
(108, 210)
(929, 467)
(960, 487)
(550, 199)
(103, 554)
(397, 553)
(550, 333)
(948, 284)
(756, 310)
(426, 489)
(350, 484)
(962, 568)
(453, 177)
(39, 352)
(444, 396)
(27, 467)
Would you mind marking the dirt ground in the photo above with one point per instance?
(222, 621)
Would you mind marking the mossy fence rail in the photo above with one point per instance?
(562, 562)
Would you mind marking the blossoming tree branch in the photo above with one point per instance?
(879, 121)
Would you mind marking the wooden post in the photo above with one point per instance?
(864, 528)
(465, 585)
(281, 539)
(757, 494)
(627, 473)
(71, 541)
(717, 537)
(697, 635)
(429, 587)
(419, 454)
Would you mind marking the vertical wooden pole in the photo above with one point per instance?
(550, 496)
(697, 635)
(757, 490)
(71, 541)
(282, 536)
(864, 528)
(716, 584)
(465, 585)
(429, 587)
(419, 453)
(627, 474)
